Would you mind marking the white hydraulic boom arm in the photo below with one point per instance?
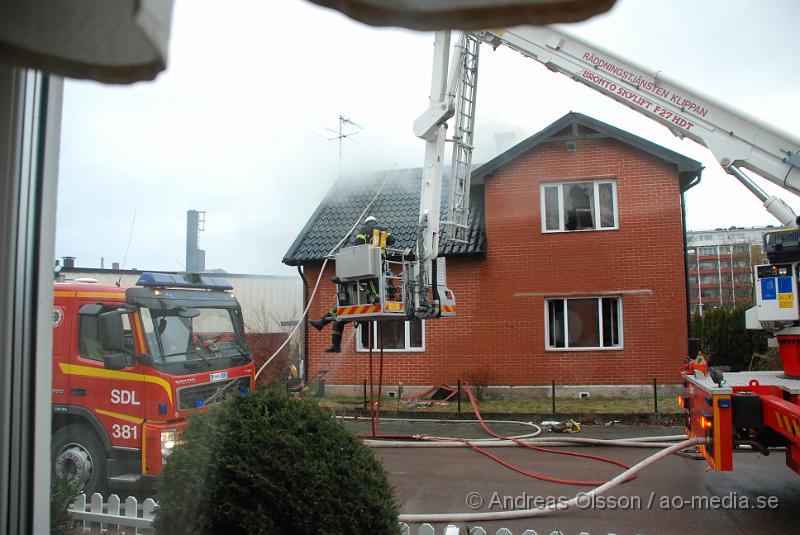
(736, 139)
(431, 127)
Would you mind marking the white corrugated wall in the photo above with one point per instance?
(269, 303)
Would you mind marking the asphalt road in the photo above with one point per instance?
(676, 495)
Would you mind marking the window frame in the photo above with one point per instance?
(407, 323)
(596, 199)
(598, 298)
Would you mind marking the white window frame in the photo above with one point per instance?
(620, 323)
(596, 191)
(363, 349)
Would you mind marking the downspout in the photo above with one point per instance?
(303, 319)
(687, 288)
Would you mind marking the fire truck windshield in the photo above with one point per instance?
(182, 334)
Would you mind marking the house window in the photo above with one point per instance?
(584, 323)
(584, 205)
(406, 335)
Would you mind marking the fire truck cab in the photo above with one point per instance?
(131, 364)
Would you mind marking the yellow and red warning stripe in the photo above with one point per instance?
(448, 308)
(358, 309)
(787, 423)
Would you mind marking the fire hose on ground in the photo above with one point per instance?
(539, 511)
(538, 444)
(528, 440)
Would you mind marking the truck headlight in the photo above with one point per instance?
(168, 439)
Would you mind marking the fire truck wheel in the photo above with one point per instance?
(79, 455)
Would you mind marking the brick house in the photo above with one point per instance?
(574, 270)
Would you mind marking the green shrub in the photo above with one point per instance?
(63, 492)
(724, 338)
(269, 464)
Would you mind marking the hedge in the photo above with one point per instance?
(267, 463)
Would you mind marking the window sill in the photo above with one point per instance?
(571, 349)
(605, 229)
(412, 350)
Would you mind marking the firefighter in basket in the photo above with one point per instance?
(363, 236)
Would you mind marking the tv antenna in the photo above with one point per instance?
(346, 126)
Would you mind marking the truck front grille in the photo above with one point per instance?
(193, 397)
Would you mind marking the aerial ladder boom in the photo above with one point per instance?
(737, 140)
(407, 288)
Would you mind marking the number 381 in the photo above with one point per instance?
(125, 432)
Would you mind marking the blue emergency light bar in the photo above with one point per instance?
(186, 280)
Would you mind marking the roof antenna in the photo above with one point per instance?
(344, 124)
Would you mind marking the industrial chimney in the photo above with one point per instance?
(195, 257)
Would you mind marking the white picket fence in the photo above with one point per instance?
(427, 529)
(129, 518)
(113, 516)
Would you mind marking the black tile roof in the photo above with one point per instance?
(396, 207)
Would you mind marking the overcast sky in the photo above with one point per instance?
(229, 127)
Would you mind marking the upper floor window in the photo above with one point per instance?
(584, 205)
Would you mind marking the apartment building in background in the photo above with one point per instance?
(720, 264)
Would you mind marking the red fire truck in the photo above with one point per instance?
(757, 410)
(131, 364)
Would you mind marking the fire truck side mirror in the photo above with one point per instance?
(111, 333)
(112, 338)
(115, 361)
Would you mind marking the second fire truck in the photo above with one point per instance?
(131, 364)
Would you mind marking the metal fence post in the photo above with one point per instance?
(655, 395)
(458, 396)
(553, 393)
